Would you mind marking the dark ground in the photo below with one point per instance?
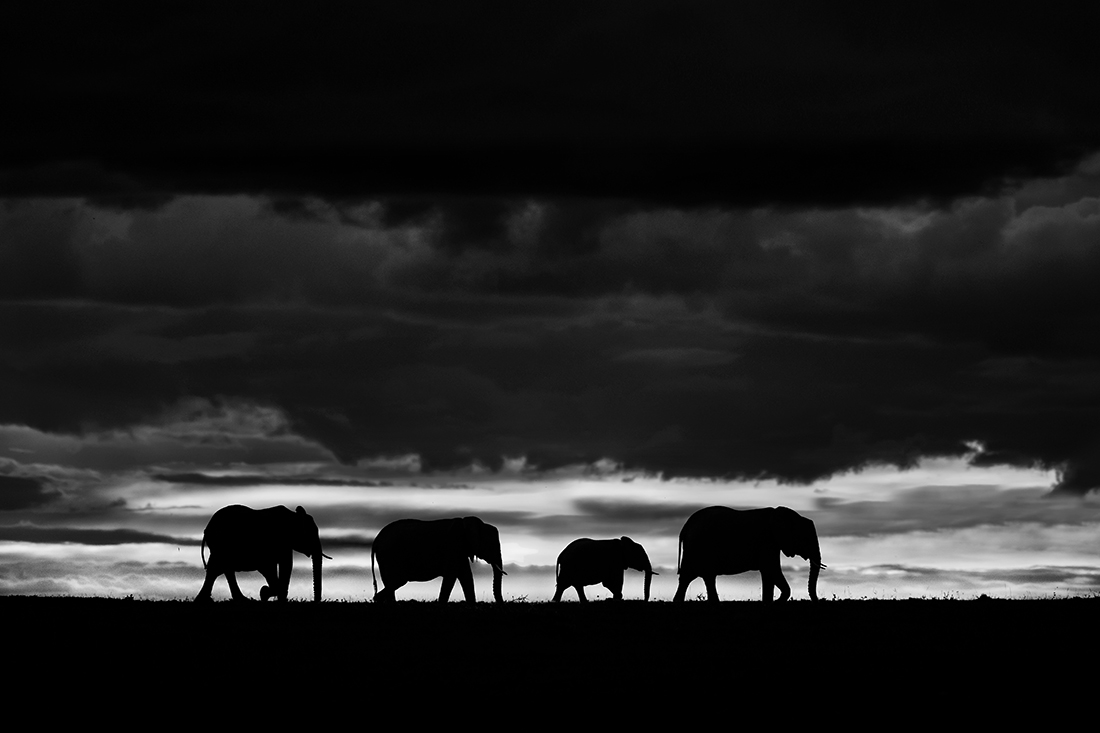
(524, 665)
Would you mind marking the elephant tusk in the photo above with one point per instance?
(325, 556)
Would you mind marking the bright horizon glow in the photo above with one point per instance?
(942, 529)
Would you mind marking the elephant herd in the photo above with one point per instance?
(714, 541)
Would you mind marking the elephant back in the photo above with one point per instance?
(721, 540)
(580, 562)
(247, 536)
(417, 550)
(231, 523)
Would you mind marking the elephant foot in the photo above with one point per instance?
(203, 598)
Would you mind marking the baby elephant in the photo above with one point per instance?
(587, 562)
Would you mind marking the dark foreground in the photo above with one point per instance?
(537, 665)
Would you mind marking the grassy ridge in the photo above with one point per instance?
(648, 662)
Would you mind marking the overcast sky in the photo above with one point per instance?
(579, 269)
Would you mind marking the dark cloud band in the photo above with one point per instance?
(700, 104)
(52, 535)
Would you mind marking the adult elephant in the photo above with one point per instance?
(412, 550)
(587, 562)
(241, 539)
(723, 541)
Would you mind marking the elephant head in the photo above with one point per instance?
(306, 539)
(482, 540)
(797, 535)
(635, 558)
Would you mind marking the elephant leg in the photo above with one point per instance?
(616, 588)
(282, 577)
(273, 585)
(387, 594)
(769, 581)
(212, 574)
(712, 588)
(558, 591)
(784, 586)
(446, 588)
(466, 580)
(235, 589)
(580, 593)
(682, 586)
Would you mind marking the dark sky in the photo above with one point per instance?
(792, 103)
(695, 239)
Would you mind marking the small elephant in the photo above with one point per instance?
(719, 540)
(412, 550)
(587, 562)
(242, 538)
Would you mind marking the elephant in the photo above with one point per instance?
(723, 541)
(587, 562)
(417, 550)
(242, 538)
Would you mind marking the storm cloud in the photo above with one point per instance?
(706, 242)
(22, 492)
(752, 343)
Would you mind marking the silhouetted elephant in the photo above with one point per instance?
(411, 550)
(241, 538)
(587, 562)
(723, 541)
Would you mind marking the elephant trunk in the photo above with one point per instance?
(498, 576)
(815, 570)
(317, 575)
(648, 580)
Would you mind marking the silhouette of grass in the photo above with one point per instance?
(417, 658)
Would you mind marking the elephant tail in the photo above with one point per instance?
(202, 551)
(679, 553)
(373, 579)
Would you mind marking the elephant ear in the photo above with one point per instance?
(788, 530)
(471, 536)
(798, 534)
(626, 551)
(303, 532)
(809, 545)
(303, 522)
(634, 555)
